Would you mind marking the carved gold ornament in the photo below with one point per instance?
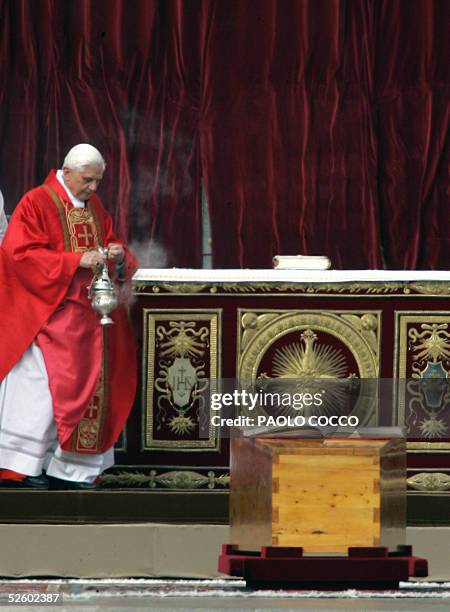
(260, 330)
(310, 361)
(312, 367)
(306, 361)
(431, 343)
(430, 481)
(186, 480)
(433, 427)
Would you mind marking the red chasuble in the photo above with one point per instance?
(91, 370)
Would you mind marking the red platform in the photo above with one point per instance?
(286, 567)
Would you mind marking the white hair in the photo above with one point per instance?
(82, 155)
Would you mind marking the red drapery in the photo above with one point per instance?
(316, 126)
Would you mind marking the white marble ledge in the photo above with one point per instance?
(189, 275)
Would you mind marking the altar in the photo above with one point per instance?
(232, 325)
(171, 480)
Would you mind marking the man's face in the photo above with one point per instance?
(83, 183)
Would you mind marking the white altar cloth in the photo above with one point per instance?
(181, 275)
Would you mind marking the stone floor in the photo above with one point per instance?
(194, 595)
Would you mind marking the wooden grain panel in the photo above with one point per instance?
(310, 518)
(330, 475)
(327, 501)
(319, 461)
(329, 498)
(319, 530)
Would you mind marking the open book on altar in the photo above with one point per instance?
(301, 262)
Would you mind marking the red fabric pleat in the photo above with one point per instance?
(314, 126)
(11, 475)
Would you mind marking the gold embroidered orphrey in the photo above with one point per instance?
(82, 232)
(422, 368)
(180, 348)
(81, 226)
(358, 331)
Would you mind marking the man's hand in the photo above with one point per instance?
(91, 259)
(116, 253)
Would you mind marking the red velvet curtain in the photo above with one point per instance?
(315, 126)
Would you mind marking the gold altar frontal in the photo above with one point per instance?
(240, 327)
(321, 495)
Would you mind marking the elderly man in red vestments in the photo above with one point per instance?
(67, 385)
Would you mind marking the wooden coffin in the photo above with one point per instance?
(322, 495)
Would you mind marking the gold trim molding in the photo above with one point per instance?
(358, 331)
(173, 479)
(430, 481)
(428, 446)
(373, 289)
